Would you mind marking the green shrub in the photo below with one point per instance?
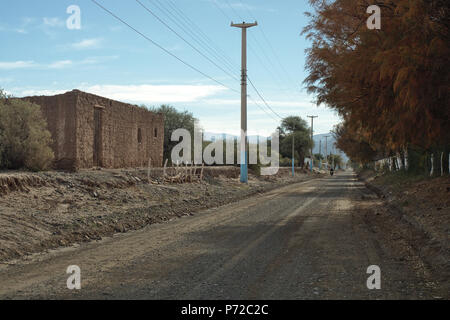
(24, 138)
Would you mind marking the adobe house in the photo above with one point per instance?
(92, 131)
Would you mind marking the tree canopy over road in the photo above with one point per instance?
(391, 86)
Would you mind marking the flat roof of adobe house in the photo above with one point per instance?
(79, 92)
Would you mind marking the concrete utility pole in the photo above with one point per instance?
(312, 131)
(326, 150)
(244, 164)
(320, 153)
(293, 158)
(333, 151)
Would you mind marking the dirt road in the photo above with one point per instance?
(304, 241)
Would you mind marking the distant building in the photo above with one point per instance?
(92, 131)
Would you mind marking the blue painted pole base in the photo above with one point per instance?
(244, 169)
(293, 167)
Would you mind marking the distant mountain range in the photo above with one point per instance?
(209, 136)
(331, 148)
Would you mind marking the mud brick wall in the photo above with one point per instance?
(130, 135)
(60, 113)
(127, 135)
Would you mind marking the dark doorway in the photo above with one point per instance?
(97, 137)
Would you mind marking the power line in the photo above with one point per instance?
(282, 81)
(221, 10)
(261, 97)
(268, 43)
(234, 10)
(259, 106)
(278, 78)
(184, 25)
(254, 87)
(210, 43)
(187, 42)
(275, 77)
(161, 47)
(186, 63)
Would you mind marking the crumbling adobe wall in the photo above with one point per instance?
(120, 126)
(60, 114)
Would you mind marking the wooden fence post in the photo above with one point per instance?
(164, 171)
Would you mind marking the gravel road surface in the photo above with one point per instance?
(304, 241)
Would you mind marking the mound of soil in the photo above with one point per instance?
(40, 211)
(417, 211)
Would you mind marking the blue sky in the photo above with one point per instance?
(40, 55)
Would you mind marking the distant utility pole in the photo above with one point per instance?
(293, 158)
(326, 150)
(320, 154)
(333, 151)
(244, 164)
(312, 131)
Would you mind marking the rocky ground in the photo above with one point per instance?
(41, 211)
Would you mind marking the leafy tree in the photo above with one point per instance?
(173, 120)
(319, 156)
(293, 123)
(296, 128)
(24, 138)
(383, 83)
(335, 159)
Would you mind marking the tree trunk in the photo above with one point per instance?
(395, 163)
(437, 163)
(427, 164)
(402, 160)
(445, 160)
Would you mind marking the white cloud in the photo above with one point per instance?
(10, 65)
(6, 80)
(241, 8)
(98, 59)
(60, 64)
(148, 94)
(87, 44)
(53, 22)
(155, 93)
(31, 92)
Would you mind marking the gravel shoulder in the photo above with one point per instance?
(42, 211)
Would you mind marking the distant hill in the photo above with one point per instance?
(331, 148)
(209, 136)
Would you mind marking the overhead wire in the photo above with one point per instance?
(252, 84)
(161, 47)
(186, 41)
(208, 41)
(185, 62)
(186, 27)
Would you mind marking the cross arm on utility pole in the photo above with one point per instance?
(244, 25)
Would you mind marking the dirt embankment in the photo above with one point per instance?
(40, 211)
(416, 211)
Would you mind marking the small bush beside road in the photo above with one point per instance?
(24, 138)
